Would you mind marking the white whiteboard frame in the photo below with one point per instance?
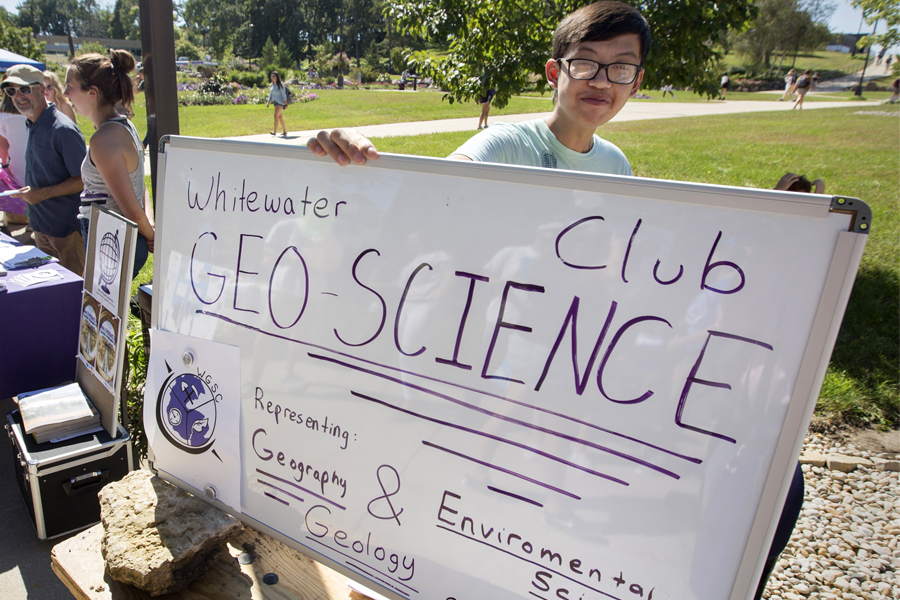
(832, 304)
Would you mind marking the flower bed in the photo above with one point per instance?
(233, 94)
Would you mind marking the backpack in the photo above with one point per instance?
(803, 82)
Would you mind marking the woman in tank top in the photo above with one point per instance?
(113, 169)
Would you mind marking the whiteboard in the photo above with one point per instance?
(477, 381)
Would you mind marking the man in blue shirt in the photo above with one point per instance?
(53, 158)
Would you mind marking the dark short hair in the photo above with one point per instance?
(599, 22)
(801, 185)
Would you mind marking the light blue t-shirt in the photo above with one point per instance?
(532, 144)
(277, 94)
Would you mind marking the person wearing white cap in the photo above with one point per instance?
(53, 157)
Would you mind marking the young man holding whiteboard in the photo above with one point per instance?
(596, 66)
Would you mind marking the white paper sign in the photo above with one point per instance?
(192, 413)
(110, 246)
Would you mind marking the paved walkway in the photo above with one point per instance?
(633, 111)
(842, 84)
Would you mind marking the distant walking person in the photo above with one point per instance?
(803, 84)
(113, 170)
(278, 97)
(815, 81)
(485, 102)
(723, 85)
(789, 80)
(887, 62)
(668, 88)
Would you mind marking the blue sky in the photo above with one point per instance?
(845, 19)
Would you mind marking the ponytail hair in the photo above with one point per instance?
(109, 74)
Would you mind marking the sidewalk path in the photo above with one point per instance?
(633, 111)
(846, 82)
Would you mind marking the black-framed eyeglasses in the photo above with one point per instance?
(582, 68)
(12, 91)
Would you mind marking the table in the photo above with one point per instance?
(39, 328)
(78, 563)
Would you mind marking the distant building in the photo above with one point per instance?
(58, 45)
(849, 41)
(838, 48)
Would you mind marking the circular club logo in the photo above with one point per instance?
(186, 412)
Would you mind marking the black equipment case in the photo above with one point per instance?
(59, 482)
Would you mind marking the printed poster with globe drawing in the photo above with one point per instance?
(110, 236)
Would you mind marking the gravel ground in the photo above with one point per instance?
(845, 545)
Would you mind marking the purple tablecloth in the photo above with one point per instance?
(39, 328)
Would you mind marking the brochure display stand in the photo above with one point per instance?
(59, 481)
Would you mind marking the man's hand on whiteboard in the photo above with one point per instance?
(343, 146)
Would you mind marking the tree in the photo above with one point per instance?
(94, 19)
(499, 44)
(72, 18)
(19, 39)
(283, 57)
(91, 48)
(267, 58)
(184, 47)
(64, 17)
(124, 23)
(783, 26)
(222, 23)
(880, 10)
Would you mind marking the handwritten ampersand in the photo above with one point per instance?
(393, 513)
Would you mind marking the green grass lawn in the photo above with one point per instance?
(348, 108)
(333, 108)
(822, 60)
(857, 155)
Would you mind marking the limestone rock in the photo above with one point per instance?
(813, 458)
(158, 537)
(847, 464)
(885, 464)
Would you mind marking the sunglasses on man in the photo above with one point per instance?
(11, 91)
